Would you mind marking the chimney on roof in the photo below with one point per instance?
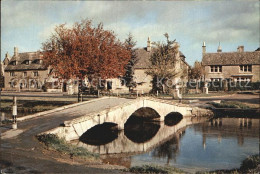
(204, 48)
(15, 51)
(219, 48)
(240, 49)
(148, 45)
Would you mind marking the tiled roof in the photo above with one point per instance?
(231, 58)
(143, 57)
(21, 58)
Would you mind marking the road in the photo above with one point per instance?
(26, 153)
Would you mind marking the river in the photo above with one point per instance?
(221, 143)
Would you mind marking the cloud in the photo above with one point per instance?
(192, 22)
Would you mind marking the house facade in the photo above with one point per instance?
(231, 66)
(143, 64)
(25, 71)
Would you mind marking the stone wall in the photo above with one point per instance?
(19, 78)
(228, 71)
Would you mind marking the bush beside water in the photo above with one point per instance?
(230, 104)
(60, 145)
(154, 169)
(250, 165)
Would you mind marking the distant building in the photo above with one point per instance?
(25, 71)
(143, 64)
(231, 66)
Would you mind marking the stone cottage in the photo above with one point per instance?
(25, 71)
(143, 80)
(231, 66)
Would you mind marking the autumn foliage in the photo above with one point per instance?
(84, 50)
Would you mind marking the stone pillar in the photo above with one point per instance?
(205, 88)
(176, 93)
(70, 90)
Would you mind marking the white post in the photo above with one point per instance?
(157, 93)
(14, 125)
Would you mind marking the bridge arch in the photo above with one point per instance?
(120, 114)
(173, 118)
(100, 134)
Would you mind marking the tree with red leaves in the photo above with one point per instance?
(85, 51)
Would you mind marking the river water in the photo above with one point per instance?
(217, 144)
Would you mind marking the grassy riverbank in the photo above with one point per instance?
(234, 104)
(154, 169)
(52, 142)
(35, 104)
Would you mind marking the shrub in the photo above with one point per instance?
(60, 145)
(250, 163)
(154, 169)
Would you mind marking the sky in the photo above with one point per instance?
(27, 24)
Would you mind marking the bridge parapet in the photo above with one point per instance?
(119, 114)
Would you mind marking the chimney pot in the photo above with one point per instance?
(15, 51)
(149, 45)
(240, 49)
(204, 48)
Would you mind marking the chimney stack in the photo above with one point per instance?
(204, 48)
(15, 51)
(240, 49)
(148, 45)
(219, 49)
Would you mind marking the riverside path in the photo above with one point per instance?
(24, 154)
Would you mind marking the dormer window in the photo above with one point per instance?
(27, 62)
(13, 63)
(37, 61)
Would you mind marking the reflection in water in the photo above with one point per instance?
(217, 144)
(100, 134)
(170, 149)
(139, 130)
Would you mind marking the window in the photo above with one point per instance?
(245, 68)
(35, 74)
(27, 62)
(25, 74)
(12, 74)
(216, 68)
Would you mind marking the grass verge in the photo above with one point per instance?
(230, 104)
(250, 165)
(55, 143)
(154, 169)
(32, 106)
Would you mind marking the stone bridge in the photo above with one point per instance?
(73, 129)
(122, 144)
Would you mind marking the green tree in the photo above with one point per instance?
(128, 77)
(163, 63)
(197, 71)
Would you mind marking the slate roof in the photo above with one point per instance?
(232, 58)
(143, 57)
(21, 58)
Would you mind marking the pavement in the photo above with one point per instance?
(20, 148)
